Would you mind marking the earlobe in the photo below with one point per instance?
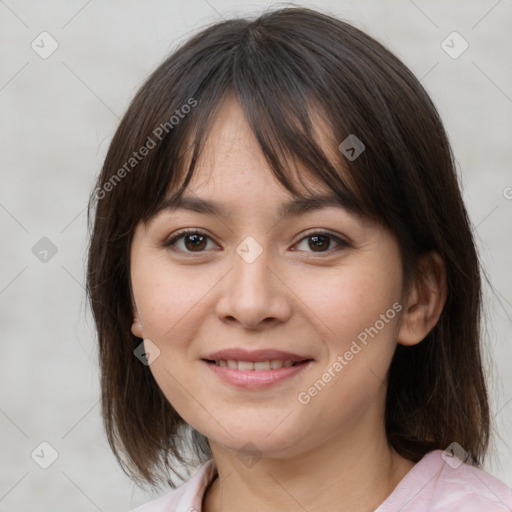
(425, 301)
(136, 326)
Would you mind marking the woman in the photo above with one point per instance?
(284, 281)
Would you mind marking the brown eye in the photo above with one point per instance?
(321, 242)
(188, 242)
(195, 242)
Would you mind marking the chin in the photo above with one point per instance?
(257, 438)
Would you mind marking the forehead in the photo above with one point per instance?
(293, 207)
(247, 165)
(231, 156)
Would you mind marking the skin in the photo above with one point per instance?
(331, 453)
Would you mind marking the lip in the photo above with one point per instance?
(240, 354)
(256, 379)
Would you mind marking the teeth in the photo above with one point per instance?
(256, 365)
(244, 365)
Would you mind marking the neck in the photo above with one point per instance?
(344, 473)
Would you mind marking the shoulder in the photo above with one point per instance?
(185, 498)
(446, 484)
(475, 489)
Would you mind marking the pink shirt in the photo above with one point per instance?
(432, 485)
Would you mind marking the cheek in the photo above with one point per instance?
(170, 302)
(343, 302)
(169, 298)
(358, 313)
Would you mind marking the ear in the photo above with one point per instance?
(136, 325)
(425, 300)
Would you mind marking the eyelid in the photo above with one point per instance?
(341, 241)
(186, 231)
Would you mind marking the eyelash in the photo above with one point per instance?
(182, 234)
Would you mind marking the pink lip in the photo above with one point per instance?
(250, 379)
(240, 354)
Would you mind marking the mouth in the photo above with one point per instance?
(269, 365)
(255, 360)
(255, 369)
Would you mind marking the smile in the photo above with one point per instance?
(274, 364)
(255, 375)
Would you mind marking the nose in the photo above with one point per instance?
(253, 294)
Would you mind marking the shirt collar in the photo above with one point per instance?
(192, 498)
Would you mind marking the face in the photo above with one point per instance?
(275, 329)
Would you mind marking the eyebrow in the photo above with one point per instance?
(295, 207)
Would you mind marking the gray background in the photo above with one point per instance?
(57, 118)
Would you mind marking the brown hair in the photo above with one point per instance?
(281, 67)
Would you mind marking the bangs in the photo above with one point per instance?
(304, 96)
(296, 119)
(297, 146)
